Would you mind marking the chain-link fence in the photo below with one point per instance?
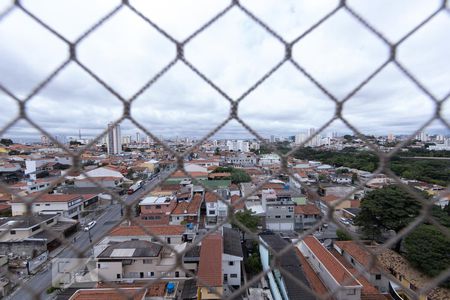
(179, 46)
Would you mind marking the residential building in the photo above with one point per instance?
(232, 257)
(306, 216)
(210, 278)
(332, 273)
(137, 260)
(157, 210)
(114, 139)
(67, 205)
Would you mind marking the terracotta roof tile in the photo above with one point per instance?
(210, 267)
(52, 198)
(312, 277)
(337, 270)
(235, 202)
(109, 294)
(308, 209)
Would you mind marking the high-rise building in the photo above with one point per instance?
(113, 139)
(138, 137)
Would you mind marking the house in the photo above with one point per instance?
(70, 205)
(135, 260)
(187, 212)
(171, 234)
(306, 216)
(216, 210)
(106, 177)
(210, 278)
(331, 272)
(232, 257)
(360, 259)
(157, 210)
(279, 209)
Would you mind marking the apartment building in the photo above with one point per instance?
(306, 216)
(279, 209)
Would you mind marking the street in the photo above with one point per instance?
(105, 222)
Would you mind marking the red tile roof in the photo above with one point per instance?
(307, 209)
(135, 230)
(330, 198)
(334, 267)
(211, 197)
(235, 202)
(356, 251)
(52, 198)
(109, 294)
(219, 175)
(189, 208)
(210, 267)
(311, 275)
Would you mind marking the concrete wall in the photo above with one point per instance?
(107, 271)
(23, 248)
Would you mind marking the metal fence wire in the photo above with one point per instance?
(384, 158)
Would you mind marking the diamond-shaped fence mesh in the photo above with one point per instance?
(276, 265)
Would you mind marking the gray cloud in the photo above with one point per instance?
(234, 53)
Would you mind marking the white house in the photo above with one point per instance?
(67, 205)
(232, 257)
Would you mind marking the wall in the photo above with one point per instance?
(234, 269)
(108, 271)
(23, 248)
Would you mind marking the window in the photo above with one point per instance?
(37, 204)
(225, 278)
(288, 216)
(49, 221)
(277, 217)
(177, 274)
(147, 261)
(233, 275)
(231, 263)
(152, 274)
(12, 232)
(212, 212)
(35, 228)
(47, 204)
(158, 206)
(118, 276)
(351, 292)
(378, 277)
(98, 266)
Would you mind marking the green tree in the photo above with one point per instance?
(253, 263)
(427, 249)
(6, 142)
(342, 235)
(217, 151)
(389, 208)
(248, 219)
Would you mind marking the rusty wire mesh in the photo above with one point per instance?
(384, 158)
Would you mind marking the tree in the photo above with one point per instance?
(342, 235)
(217, 151)
(6, 142)
(247, 219)
(427, 249)
(389, 208)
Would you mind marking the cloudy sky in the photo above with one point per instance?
(234, 53)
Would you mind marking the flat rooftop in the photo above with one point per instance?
(155, 200)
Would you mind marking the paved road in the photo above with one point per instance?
(105, 222)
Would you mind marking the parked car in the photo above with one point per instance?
(344, 221)
(89, 225)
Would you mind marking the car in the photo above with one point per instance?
(325, 225)
(89, 225)
(344, 221)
